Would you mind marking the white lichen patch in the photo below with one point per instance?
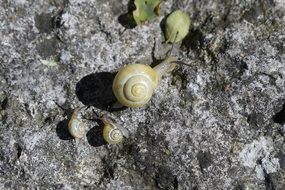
(19, 2)
(32, 139)
(50, 63)
(280, 3)
(118, 183)
(258, 155)
(70, 23)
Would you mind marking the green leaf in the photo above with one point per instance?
(177, 26)
(146, 10)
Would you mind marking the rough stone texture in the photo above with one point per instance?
(217, 124)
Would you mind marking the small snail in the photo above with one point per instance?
(75, 126)
(134, 84)
(113, 133)
(177, 26)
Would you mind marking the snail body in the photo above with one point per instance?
(177, 26)
(112, 132)
(75, 126)
(135, 84)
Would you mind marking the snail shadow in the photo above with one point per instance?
(62, 130)
(127, 20)
(96, 90)
(62, 127)
(94, 135)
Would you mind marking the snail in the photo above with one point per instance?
(113, 133)
(177, 26)
(75, 126)
(134, 84)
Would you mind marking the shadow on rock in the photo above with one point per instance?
(280, 116)
(62, 130)
(94, 135)
(193, 40)
(127, 20)
(96, 90)
(163, 26)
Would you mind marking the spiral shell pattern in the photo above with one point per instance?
(134, 85)
(112, 134)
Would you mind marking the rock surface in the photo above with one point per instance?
(216, 124)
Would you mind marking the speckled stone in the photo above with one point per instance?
(216, 124)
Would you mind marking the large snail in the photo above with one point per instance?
(75, 126)
(134, 84)
(113, 133)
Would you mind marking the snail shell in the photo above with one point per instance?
(177, 26)
(134, 84)
(112, 134)
(75, 126)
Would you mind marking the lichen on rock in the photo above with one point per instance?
(216, 124)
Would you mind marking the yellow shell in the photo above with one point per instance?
(112, 134)
(134, 85)
(177, 26)
(76, 128)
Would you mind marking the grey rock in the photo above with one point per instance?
(216, 124)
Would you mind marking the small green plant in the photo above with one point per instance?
(146, 10)
(177, 26)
